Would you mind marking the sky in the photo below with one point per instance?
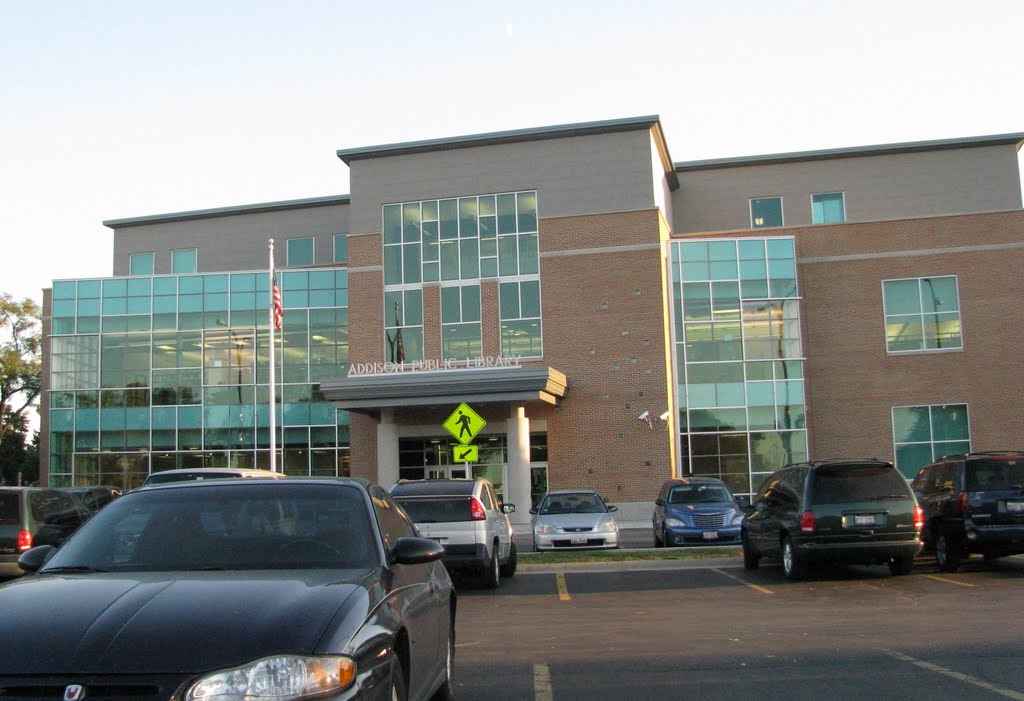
(119, 109)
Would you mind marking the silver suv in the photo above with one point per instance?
(466, 517)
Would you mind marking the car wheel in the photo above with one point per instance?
(751, 560)
(901, 565)
(948, 553)
(791, 565)
(509, 568)
(447, 690)
(398, 692)
(491, 576)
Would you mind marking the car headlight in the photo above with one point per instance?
(674, 523)
(546, 528)
(280, 678)
(737, 519)
(606, 527)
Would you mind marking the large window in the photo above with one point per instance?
(828, 208)
(464, 240)
(736, 314)
(765, 212)
(184, 261)
(922, 314)
(923, 434)
(141, 264)
(341, 248)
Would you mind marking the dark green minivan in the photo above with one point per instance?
(846, 511)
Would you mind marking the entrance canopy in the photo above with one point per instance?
(369, 393)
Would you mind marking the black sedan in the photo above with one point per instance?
(234, 590)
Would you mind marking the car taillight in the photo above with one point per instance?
(961, 501)
(24, 541)
(476, 510)
(918, 517)
(807, 522)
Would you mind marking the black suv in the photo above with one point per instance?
(31, 516)
(848, 511)
(973, 503)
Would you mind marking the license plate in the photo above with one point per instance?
(868, 520)
(578, 539)
(1015, 506)
(710, 535)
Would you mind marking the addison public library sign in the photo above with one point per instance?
(489, 361)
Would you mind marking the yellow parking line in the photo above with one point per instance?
(967, 678)
(563, 591)
(756, 587)
(542, 683)
(947, 580)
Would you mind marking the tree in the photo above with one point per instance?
(12, 452)
(20, 359)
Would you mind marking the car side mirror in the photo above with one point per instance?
(533, 511)
(612, 507)
(743, 501)
(33, 559)
(416, 551)
(659, 502)
(508, 508)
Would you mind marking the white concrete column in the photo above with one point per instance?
(517, 489)
(387, 449)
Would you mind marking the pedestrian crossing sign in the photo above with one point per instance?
(464, 424)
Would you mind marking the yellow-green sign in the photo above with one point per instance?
(466, 453)
(464, 424)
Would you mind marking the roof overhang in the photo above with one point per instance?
(369, 393)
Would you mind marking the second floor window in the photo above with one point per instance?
(765, 212)
(922, 314)
(300, 252)
(828, 208)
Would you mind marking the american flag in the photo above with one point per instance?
(278, 309)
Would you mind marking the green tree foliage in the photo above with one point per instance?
(20, 359)
(15, 457)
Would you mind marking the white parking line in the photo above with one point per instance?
(966, 678)
(542, 683)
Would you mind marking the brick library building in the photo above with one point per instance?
(611, 318)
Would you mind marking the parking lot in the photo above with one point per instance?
(708, 629)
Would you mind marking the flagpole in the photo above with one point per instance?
(272, 384)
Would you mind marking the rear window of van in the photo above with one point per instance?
(849, 484)
(995, 475)
(10, 512)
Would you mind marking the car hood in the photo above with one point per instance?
(574, 520)
(709, 508)
(165, 622)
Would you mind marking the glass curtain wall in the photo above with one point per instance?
(738, 358)
(456, 243)
(163, 372)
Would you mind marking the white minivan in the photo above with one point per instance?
(466, 517)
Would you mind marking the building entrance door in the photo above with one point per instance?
(445, 472)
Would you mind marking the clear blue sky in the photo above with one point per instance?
(117, 109)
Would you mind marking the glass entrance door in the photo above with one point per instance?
(445, 471)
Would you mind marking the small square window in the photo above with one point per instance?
(765, 212)
(183, 261)
(828, 208)
(140, 264)
(300, 252)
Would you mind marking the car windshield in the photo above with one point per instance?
(995, 475)
(292, 526)
(577, 503)
(848, 484)
(699, 494)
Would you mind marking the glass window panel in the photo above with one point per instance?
(392, 265)
(451, 311)
(300, 252)
(949, 422)
(461, 341)
(469, 259)
(783, 287)
(411, 263)
(413, 307)
(467, 217)
(530, 298)
(340, 248)
(506, 214)
(754, 289)
(765, 212)
(64, 289)
(114, 305)
(449, 260)
(827, 208)
(911, 458)
(183, 261)
(529, 263)
(939, 294)
(731, 394)
(901, 297)
(430, 241)
(911, 424)
(722, 270)
(780, 248)
(471, 303)
(508, 256)
(429, 210)
(521, 338)
(904, 333)
(696, 270)
(488, 267)
(141, 264)
(115, 288)
(487, 206)
(694, 251)
(411, 222)
(392, 224)
(431, 272)
(449, 219)
(88, 289)
(721, 251)
(508, 293)
(527, 209)
(943, 331)
(760, 393)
